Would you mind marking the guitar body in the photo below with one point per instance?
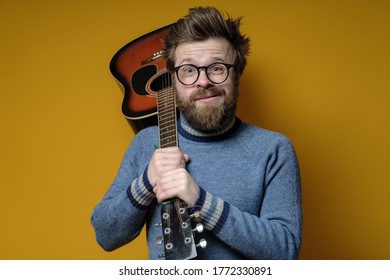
(135, 67)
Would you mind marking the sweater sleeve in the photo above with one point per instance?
(120, 216)
(275, 233)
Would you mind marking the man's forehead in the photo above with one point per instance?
(213, 48)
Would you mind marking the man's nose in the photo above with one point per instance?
(203, 80)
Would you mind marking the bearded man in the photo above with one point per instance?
(241, 181)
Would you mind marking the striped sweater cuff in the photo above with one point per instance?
(140, 192)
(213, 211)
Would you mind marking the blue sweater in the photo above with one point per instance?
(250, 199)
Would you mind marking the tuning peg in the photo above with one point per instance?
(194, 215)
(202, 243)
(198, 228)
(159, 240)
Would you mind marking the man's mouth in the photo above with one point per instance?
(208, 98)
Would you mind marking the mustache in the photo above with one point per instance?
(206, 92)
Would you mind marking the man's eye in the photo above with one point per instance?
(216, 69)
(188, 70)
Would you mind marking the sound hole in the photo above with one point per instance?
(161, 82)
(141, 77)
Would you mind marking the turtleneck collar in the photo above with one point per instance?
(185, 129)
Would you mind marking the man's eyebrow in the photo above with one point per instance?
(191, 61)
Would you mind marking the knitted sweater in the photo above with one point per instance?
(250, 194)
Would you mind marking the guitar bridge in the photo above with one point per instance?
(153, 57)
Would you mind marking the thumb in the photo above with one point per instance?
(186, 158)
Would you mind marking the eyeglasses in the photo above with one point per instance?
(217, 73)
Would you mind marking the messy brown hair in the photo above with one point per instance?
(203, 23)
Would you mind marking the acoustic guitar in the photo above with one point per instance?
(137, 67)
(149, 98)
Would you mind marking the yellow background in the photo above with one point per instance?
(318, 72)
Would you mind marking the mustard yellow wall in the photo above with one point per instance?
(318, 72)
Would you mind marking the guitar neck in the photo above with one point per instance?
(166, 107)
(179, 242)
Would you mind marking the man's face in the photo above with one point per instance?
(205, 105)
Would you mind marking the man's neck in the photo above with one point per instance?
(189, 132)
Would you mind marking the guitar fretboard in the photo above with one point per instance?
(166, 107)
(179, 243)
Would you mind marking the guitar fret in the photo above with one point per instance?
(164, 133)
(166, 106)
(167, 123)
(165, 110)
(168, 118)
(166, 115)
(165, 95)
(169, 141)
(169, 144)
(167, 126)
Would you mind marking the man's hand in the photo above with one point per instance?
(169, 178)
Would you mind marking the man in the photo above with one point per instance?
(241, 180)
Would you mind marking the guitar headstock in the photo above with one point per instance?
(178, 236)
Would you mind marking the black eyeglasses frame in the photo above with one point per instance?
(199, 68)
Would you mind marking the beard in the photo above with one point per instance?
(209, 117)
